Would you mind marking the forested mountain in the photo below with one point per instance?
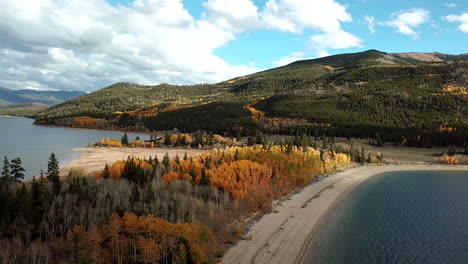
(412, 98)
(9, 96)
(25, 110)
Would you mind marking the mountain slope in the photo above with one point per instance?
(9, 96)
(358, 94)
(27, 110)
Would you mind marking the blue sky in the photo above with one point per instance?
(87, 45)
(266, 46)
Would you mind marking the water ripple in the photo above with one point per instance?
(400, 217)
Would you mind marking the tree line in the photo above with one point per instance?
(179, 210)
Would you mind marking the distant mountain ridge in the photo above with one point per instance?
(416, 98)
(370, 56)
(24, 110)
(25, 96)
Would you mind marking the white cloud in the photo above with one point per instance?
(461, 19)
(86, 45)
(295, 56)
(325, 16)
(370, 21)
(232, 15)
(450, 5)
(334, 40)
(296, 15)
(407, 21)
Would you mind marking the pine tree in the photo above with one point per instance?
(38, 200)
(53, 174)
(178, 140)
(167, 139)
(205, 180)
(166, 160)
(16, 170)
(305, 143)
(183, 255)
(210, 138)
(24, 200)
(362, 155)
(238, 135)
(52, 166)
(198, 139)
(135, 195)
(150, 195)
(259, 137)
(379, 140)
(6, 170)
(124, 139)
(106, 172)
(452, 150)
(289, 148)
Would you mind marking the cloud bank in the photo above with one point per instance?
(460, 19)
(86, 45)
(407, 21)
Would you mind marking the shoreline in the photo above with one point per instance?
(100, 129)
(94, 159)
(30, 117)
(286, 234)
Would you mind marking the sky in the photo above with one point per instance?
(88, 45)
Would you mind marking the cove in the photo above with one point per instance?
(398, 217)
(33, 144)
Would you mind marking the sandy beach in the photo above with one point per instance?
(284, 235)
(95, 158)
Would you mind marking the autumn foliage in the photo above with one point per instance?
(116, 143)
(86, 121)
(109, 142)
(251, 177)
(143, 239)
(242, 172)
(447, 159)
(154, 210)
(253, 173)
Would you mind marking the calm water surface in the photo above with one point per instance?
(399, 217)
(33, 144)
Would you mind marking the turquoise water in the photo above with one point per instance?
(34, 144)
(399, 217)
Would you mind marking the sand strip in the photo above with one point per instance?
(284, 235)
(95, 158)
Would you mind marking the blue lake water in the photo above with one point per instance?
(417, 217)
(34, 144)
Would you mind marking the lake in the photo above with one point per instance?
(34, 144)
(399, 217)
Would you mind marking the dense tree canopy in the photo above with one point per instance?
(147, 211)
(362, 94)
